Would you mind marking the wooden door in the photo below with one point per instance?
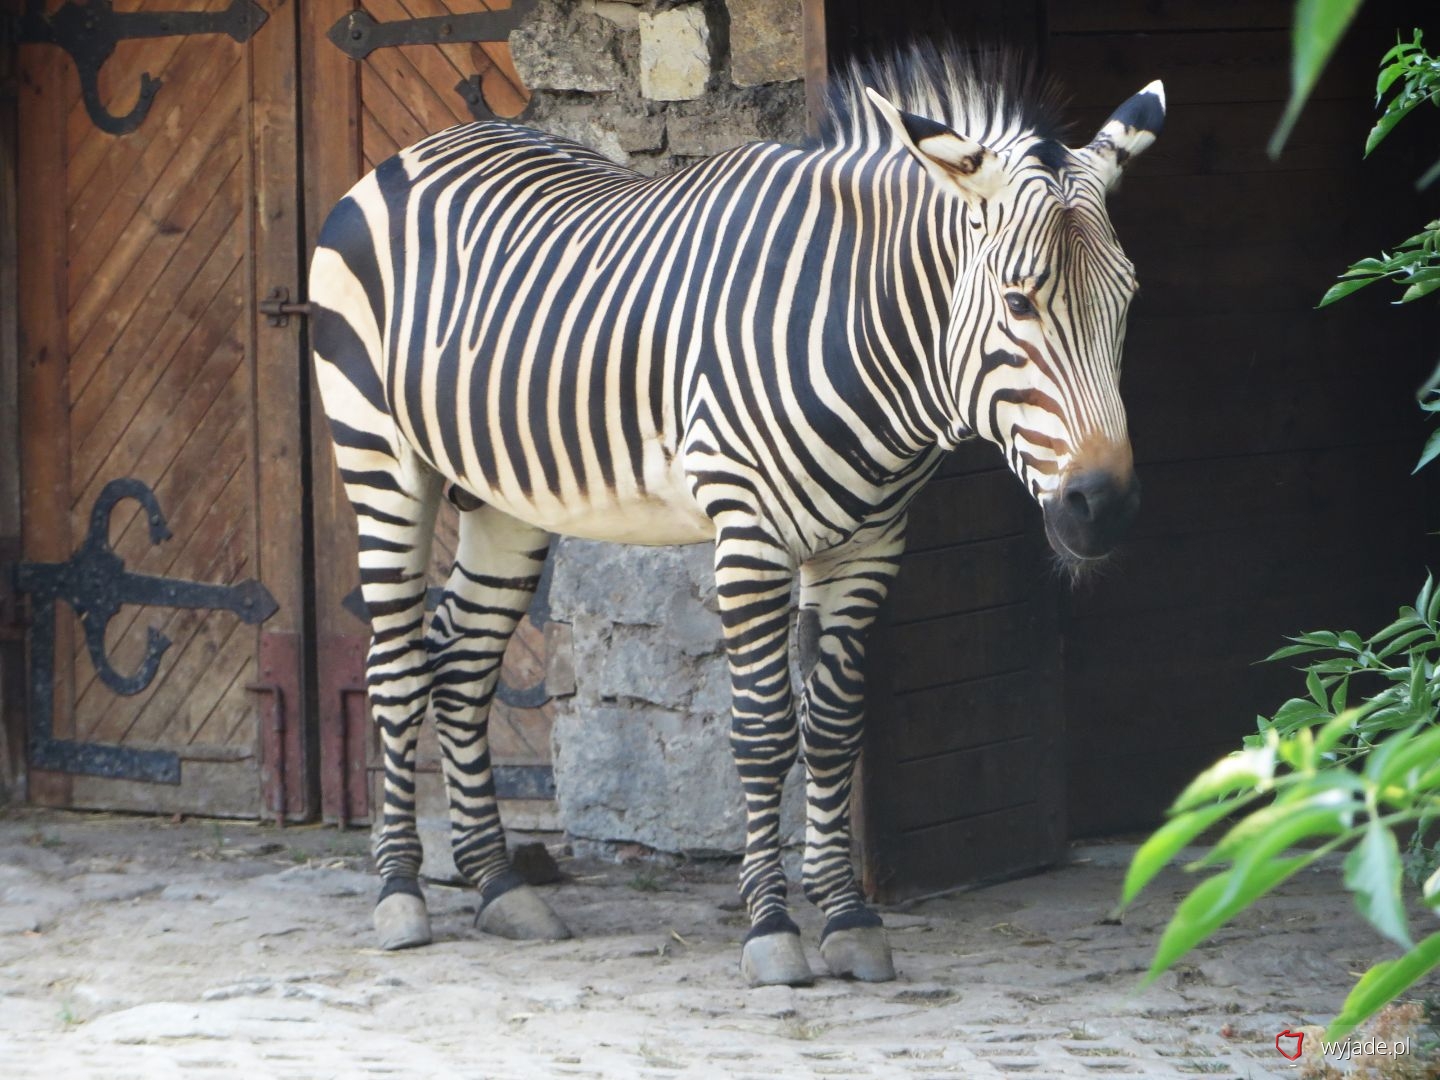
(145, 367)
(360, 111)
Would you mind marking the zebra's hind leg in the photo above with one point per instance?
(395, 496)
(497, 568)
(839, 598)
(753, 576)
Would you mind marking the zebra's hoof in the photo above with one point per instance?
(402, 922)
(776, 960)
(521, 914)
(860, 953)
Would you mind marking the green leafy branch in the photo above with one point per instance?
(1417, 74)
(1322, 776)
(1414, 76)
(1415, 263)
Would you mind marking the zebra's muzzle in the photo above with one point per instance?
(1091, 512)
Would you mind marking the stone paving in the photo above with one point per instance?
(132, 947)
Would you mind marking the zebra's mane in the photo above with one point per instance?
(992, 95)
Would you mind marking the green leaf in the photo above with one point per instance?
(1317, 690)
(1408, 620)
(1166, 842)
(1392, 766)
(1404, 641)
(1422, 602)
(1342, 289)
(1249, 768)
(1215, 902)
(1329, 736)
(1432, 450)
(1372, 873)
(1289, 651)
(1428, 177)
(1431, 889)
(1396, 111)
(1272, 829)
(1383, 983)
(1319, 25)
(1419, 289)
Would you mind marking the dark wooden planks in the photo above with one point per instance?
(44, 426)
(166, 379)
(1274, 441)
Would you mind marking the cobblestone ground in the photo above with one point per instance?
(132, 947)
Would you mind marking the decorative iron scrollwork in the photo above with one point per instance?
(358, 34)
(96, 584)
(90, 31)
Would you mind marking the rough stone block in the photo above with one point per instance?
(625, 584)
(562, 46)
(675, 53)
(722, 121)
(614, 129)
(767, 41)
(648, 775)
(625, 15)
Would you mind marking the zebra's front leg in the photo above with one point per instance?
(497, 568)
(753, 578)
(839, 599)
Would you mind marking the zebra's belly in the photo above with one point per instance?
(649, 521)
(663, 513)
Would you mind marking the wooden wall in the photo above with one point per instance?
(1274, 442)
(12, 688)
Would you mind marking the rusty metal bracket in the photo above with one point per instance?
(358, 34)
(90, 31)
(284, 770)
(277, 306)
(272, 737)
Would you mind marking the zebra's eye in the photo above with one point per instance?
(1020, 305)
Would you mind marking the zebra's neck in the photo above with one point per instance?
(887, 278)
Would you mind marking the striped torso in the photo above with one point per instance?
(607, 355)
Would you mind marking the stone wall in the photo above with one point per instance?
(641, 747)
(660, 85)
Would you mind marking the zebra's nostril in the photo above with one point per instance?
(1078, 504)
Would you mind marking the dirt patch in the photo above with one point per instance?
(132, 947)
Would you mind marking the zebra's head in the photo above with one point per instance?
(1037, 315)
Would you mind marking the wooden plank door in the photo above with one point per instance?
(143, 360)
(359, 113)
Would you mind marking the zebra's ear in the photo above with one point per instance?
(948, 156)
(1129, 131)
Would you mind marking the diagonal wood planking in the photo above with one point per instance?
(408, 93)
(161, 386)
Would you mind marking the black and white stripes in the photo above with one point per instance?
(772, 348)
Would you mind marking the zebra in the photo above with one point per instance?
(771, 349)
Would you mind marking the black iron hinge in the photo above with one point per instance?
(358, 34)
(90, 31)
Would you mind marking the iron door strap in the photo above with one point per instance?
(90, 31)
(95, 582)
(358, 34)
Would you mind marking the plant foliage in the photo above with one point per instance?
(1323, 775)
(1355, 762)
(1414, 76)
